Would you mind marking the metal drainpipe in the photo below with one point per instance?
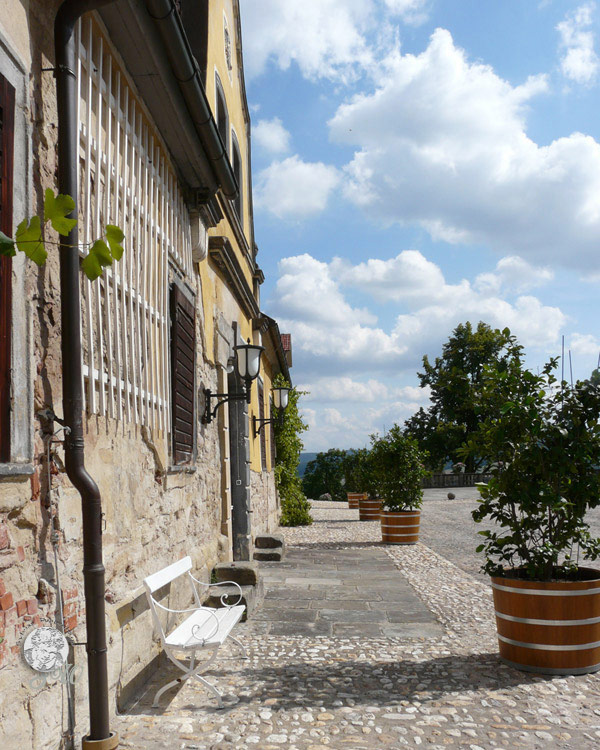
(99, 736)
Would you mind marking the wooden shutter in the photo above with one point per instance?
(261, 414)
(183, 359)
(7, 123)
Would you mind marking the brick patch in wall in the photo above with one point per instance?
(35, 485)
(21, 607)
(20, 554)
(6, 601)
(71, 623)
(70, 593)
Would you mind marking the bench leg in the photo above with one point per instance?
(190, 671)
(241, 646)
(164, 690)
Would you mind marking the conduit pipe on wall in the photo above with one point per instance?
(185, 69)
(93, 568)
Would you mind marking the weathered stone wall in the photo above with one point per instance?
(265, 503)
(152, 517)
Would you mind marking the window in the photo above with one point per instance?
(237, 171)
(222, 116)
(7, 114)
(261, 414)
(126, 178)
(183, 367)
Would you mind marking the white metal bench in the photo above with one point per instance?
(205, 628)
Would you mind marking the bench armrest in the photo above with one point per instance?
(222, 583)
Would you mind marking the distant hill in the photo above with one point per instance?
(304, 459)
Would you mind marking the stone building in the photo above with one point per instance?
(164, 153)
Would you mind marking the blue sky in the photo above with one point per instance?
(417, 164)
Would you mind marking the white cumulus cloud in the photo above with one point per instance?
(579, 61)
(331, 39)
(585, 344)
(295, 189)
(332, 337)
(442, 143)
(271, 136)
(513, 273)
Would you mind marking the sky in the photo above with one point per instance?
(417, 164)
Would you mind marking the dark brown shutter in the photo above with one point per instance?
(7, 124)
(261, 414)
(183, 359)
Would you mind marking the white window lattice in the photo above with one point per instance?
(125, 178)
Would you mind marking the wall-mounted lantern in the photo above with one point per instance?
(247, 364)
(280, 402)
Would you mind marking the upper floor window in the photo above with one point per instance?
(236, 164)
(222, 115)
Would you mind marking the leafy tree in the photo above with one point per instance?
(543, 442)
(455, 381)
(325, 474)
(352, 468)
(295, 508)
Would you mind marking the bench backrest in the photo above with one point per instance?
(165, 576)
(168, 574)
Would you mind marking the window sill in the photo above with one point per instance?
(16, 470)
(181, 470)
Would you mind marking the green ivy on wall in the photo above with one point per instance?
(295, 508)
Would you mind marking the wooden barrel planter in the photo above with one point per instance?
(549, 627)
(353, 499)
(369, 508)
(400, 527)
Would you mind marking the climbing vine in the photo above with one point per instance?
(295, 508)
(29, 237)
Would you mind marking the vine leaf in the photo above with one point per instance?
(56, 209)
(115, 237)
(29, 240)
(7, 246)
(98, 256)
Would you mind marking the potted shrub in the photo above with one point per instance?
(353, 476)
(399, 466)
(369, 503)
(543, 446)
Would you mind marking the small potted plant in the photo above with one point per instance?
(353, 476)
(543, 447)
(369, 503)
(399, 467)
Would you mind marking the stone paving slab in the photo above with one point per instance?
(306, 690)
(369, 590)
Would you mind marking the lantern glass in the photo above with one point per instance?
(281, 397)
(253, 355)
(248, 360)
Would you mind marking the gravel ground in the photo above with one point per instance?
(323, 692)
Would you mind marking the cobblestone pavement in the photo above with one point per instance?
(311, 692)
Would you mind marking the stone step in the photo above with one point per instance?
(244, 572)
(252, 597)
(269, 555)
(269, 541)
(269, 547)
